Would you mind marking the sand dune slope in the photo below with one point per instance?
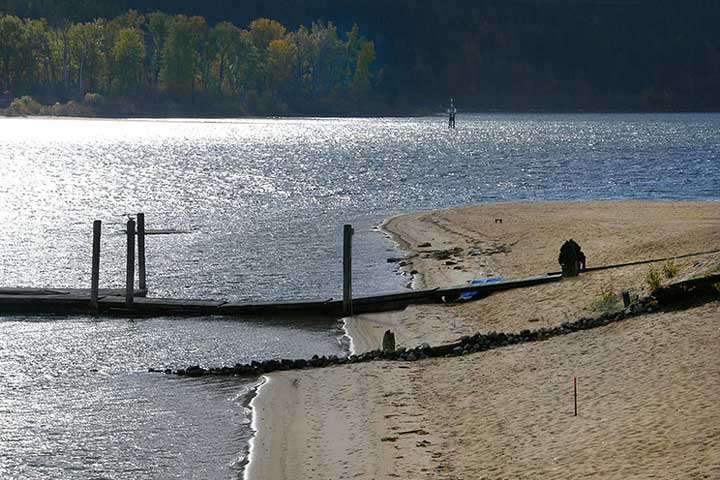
(648, 403)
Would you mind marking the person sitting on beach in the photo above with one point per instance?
(571, 258)
(578, 253)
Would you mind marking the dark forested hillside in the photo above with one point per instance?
(491, 54)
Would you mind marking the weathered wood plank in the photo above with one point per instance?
(66, 291)
(30, 304)
(78, 300)
(163, 306)
(61, 299)
(327, 307)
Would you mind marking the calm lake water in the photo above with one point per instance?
(263, 202)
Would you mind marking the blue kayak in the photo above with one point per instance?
(479, 281)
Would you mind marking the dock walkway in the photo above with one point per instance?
(96, 301)
(113, 302)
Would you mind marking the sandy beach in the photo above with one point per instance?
(648, 386)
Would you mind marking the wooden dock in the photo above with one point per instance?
(113, 302)
(129, 301)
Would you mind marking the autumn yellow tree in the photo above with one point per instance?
(264, 31)
(129, 57)
(361, 85)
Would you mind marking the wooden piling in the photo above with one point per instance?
(130, 278)
(95, 275)
(141, 250)
(626, 298)
(347, 270)
(575, 393)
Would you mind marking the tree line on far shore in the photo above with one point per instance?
(490, 55)
(139, 63)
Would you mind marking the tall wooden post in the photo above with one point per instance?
(347, 270)
(130, 278)
(626, 298)
(575, 393)
(141, 250)
(95, 275)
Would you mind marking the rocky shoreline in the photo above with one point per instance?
(670, 296)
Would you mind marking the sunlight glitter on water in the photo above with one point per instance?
(263, 202)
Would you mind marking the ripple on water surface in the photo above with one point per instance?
(263, 202)
(76, 401)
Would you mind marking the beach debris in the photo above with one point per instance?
(445, 254)
(391, 394)
(388, 341)
(626, 298)
(388, 439)
(489, 248)
(692, 289)
(424, 245)
(479, 281)
(571, 259)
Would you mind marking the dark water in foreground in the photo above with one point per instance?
(264, 202)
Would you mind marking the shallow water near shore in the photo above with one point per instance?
(263, 203)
